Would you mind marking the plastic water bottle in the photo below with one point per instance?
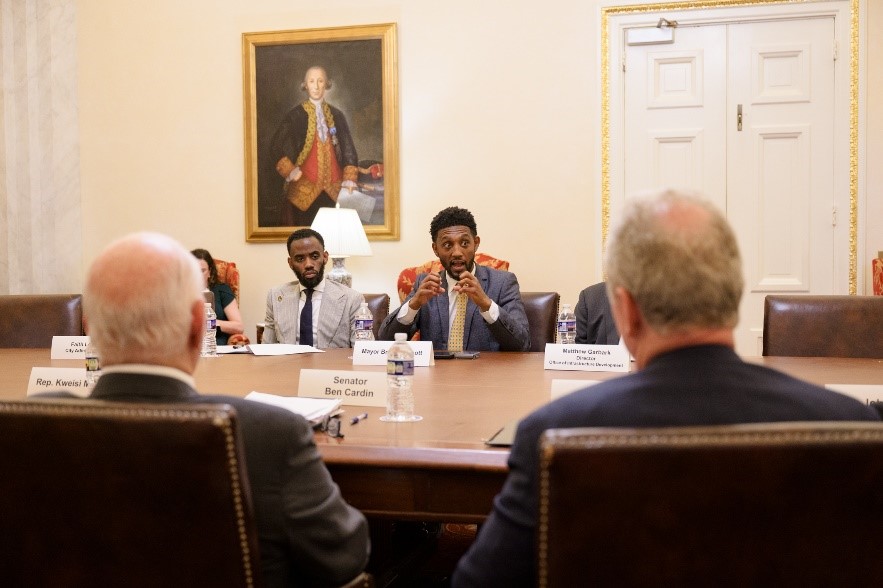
(93, 363)
(363, 324)
(399, 374)
(209, 340)
(566, 326)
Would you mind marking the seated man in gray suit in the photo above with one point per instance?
(491, 314)
(674, 281)
(310, 310)
(594, 320)
(147, 321)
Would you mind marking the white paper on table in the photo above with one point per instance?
(282, 349)
(312, 409)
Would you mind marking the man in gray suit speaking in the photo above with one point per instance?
(311, 310)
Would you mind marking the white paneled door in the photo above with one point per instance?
(745, 114)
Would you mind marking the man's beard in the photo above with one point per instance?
(311, 282)
(469, 268)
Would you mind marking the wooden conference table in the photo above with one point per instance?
(438, 468)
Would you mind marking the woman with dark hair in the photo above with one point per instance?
(229, 320)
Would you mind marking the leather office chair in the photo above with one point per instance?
(776, 504)
(408, 276)
(122, 494)
(31, 320)
(877, 275)
(542, 317)
(228, 274)
(378, 303)
(823, 326)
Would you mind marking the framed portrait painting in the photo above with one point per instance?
(321, 128)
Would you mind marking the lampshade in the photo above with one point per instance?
(344, 236)
(343, 232)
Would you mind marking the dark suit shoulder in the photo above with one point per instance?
(669, 391)
(599, 289)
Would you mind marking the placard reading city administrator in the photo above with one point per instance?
(352, 388)
(69, 347)
(587, 358)
(374, 352)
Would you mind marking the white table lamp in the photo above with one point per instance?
(344, 236)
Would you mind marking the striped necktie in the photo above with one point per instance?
(455, 340)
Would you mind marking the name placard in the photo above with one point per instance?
(352, 388)
(374, 352)
(67, 347)
(863, 392)
(587, 358)
(45, 379)
(564, 387)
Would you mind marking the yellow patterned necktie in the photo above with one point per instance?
(455, 340)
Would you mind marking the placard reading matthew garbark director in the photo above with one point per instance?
(587, 358)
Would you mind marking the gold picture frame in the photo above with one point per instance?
(360, 90)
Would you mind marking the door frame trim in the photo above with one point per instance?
(615, 19)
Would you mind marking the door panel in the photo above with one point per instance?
(775, 241)
(780, 186)
(773, 177)
(674, 121)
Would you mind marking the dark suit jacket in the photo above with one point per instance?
(290, 137)
(594, 320)
(308, 534)
(704, 385)
(508, 333)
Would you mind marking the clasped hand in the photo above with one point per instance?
(468, 284)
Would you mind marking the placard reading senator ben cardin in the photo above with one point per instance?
(353, 388)
(343, 389)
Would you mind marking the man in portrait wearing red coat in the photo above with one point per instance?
(314, 153)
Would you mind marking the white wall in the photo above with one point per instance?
(498, 113)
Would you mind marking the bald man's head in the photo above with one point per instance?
(142, 296)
